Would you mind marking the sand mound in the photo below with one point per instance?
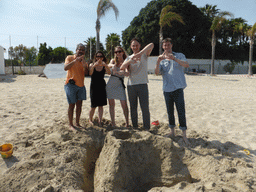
(54, 158)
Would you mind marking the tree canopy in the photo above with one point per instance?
(44, 56)
(56, 55)
(59, 54)
(189, 38)
(194, 38)
(90, 48)
(112, 41)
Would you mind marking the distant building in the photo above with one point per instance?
(2, 67)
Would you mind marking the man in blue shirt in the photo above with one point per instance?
(171, 65)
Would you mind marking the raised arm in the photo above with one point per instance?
(147, 49)
(111, 63)
(91, 68)
(126, 63)
(68, 64)
(136, 57)
(86, 68)
(159, 59)
(107, 68)
(181, 62)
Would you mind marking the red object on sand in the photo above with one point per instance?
(155, 123)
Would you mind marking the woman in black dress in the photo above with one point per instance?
(98, 94)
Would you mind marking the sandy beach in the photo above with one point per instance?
(33, 112)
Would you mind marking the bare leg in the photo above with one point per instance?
(70, 115)
(100, 114)
(91, 113)
(112, 111)
(78, 112)
(126, 112)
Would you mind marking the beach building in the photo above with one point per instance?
(2, 68)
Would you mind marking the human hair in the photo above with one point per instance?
(124, 55)
(135, 39)
(80, 45)
(104, 58)
(167, 40)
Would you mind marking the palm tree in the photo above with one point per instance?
(90, 47)
(240, 28)
(217, 23)
(251, 33)
(166, 18)
(103, 7)
(112, 41)
(209, 11)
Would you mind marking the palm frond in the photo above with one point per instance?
(104, 6)
(210, 10)
(252, 31)
(166, 9)
(225, 13)
(167, 16)
(219, 19)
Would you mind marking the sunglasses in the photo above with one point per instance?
(99, 56)
(118, 51)
(81, 49)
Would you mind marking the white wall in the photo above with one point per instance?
(205, 64)
(2, 68)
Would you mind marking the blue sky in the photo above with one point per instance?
(69, 22)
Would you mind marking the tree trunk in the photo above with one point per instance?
(98, 41)
(250, 57)
(160, 40)
(97, 35)
(213, 52)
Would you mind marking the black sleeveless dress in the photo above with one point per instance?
(98, 89)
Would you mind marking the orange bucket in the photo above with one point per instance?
(6, 150)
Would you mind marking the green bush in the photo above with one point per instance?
(229, 67)
(20, 72)
(254, 69)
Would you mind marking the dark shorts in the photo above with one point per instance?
(74, 93)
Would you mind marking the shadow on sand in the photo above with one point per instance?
(7, 78)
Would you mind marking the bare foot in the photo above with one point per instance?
(91, 123)
(171, 134)
(71, 127)
(185, 138)
(78, 125)
(113, 124)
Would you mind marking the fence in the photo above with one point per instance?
(26, 69)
